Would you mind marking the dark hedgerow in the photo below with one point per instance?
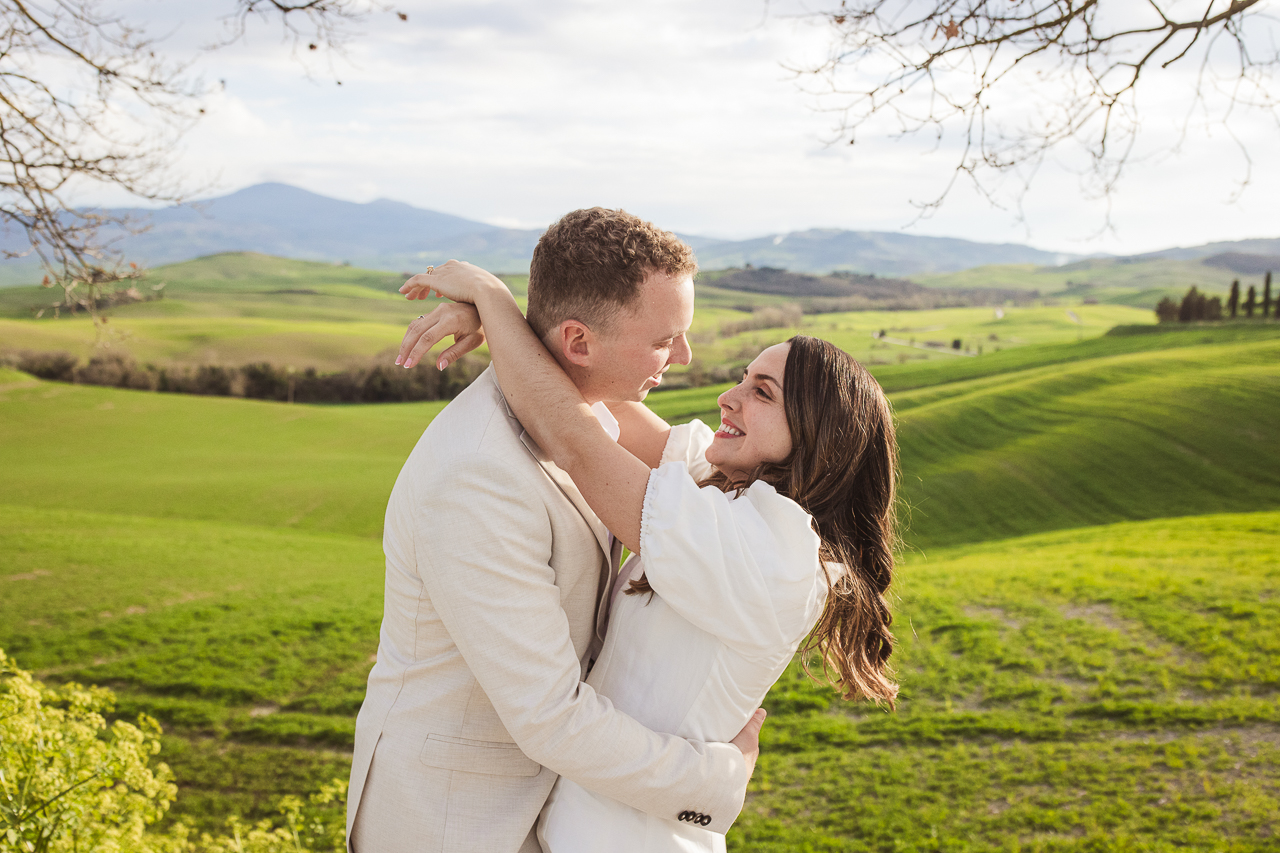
(376, 383)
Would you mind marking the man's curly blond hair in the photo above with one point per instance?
(588, 267)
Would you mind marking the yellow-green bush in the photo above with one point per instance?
(69, 781)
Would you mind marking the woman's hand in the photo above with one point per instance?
(456, 280)
(458, 319)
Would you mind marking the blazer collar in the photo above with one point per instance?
(558, 476)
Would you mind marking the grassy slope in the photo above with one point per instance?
(1095, 440)
(177, 456)
(1110, 688)
(1105, 275)
(233, 309)
(976, 327)
(243, 611)
(1135, 662)
(1138, 436)
(1054, 438)
(238, 308)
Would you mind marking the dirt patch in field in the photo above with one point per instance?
(1102, 615)
(992, 614)
(29, 576)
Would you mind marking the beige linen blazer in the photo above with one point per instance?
(497, 575)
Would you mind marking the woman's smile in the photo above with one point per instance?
(753, 420)
(728, 430)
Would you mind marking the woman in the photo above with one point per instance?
(742, 540)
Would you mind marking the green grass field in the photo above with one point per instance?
(1103, 278)
(1107, 688)
(235, 309)
(1087, 612)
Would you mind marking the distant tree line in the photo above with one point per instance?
(377, 383)
(1195, 306)
(847, 291)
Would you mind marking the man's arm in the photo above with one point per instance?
(484, 549)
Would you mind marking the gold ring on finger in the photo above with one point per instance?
(430, 270)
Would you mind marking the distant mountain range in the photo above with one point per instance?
(886, 253)
(279, 219)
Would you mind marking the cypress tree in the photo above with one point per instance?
(1251, 301)
(1266, 296)
(1167, 311)
(1233, 301)
(1213, 309)
(1187, 310)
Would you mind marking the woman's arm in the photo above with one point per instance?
(544, 398)
(641, 432)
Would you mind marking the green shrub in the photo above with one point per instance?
(68, 781)
(55, 366)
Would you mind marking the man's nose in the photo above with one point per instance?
(681, 352)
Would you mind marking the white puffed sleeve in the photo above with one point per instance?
(688, 443)
(744, 569)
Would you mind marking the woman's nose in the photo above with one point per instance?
(725, 400)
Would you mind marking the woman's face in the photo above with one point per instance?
(753, 422)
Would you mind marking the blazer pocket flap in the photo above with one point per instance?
(477, 756)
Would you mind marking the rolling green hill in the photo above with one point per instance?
(1096, 439)
(176, 456)
(235, 309)
(1102, 689)
(1106, 275)
(1138, 282)
(1145, 434)
(216, 562)
(1135, 663)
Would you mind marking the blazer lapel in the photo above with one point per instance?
(561, 479)
(609, 547)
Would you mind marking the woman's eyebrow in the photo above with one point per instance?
(764, 377)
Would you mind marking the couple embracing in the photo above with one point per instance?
(534, 692)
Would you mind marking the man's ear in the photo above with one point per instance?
(576, 341)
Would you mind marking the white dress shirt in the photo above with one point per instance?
(738, 587)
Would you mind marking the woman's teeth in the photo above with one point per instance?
(728, 429)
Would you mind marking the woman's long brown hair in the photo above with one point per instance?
(843, 470)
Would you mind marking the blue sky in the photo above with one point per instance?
(515, 112)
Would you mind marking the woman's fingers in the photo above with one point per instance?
(461, 347)
(430, 336)
(461, 322)
(456, 280)
(416, 287)
(410, 338)
(422, 330)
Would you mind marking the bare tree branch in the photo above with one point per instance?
(85, 97)
(1010, 81)
(316, 23)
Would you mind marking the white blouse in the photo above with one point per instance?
(738, 587)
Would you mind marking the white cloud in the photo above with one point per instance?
(515, 112)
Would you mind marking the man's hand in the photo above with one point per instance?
(449, 318)
(748, 740)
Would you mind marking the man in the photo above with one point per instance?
(497, 587)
